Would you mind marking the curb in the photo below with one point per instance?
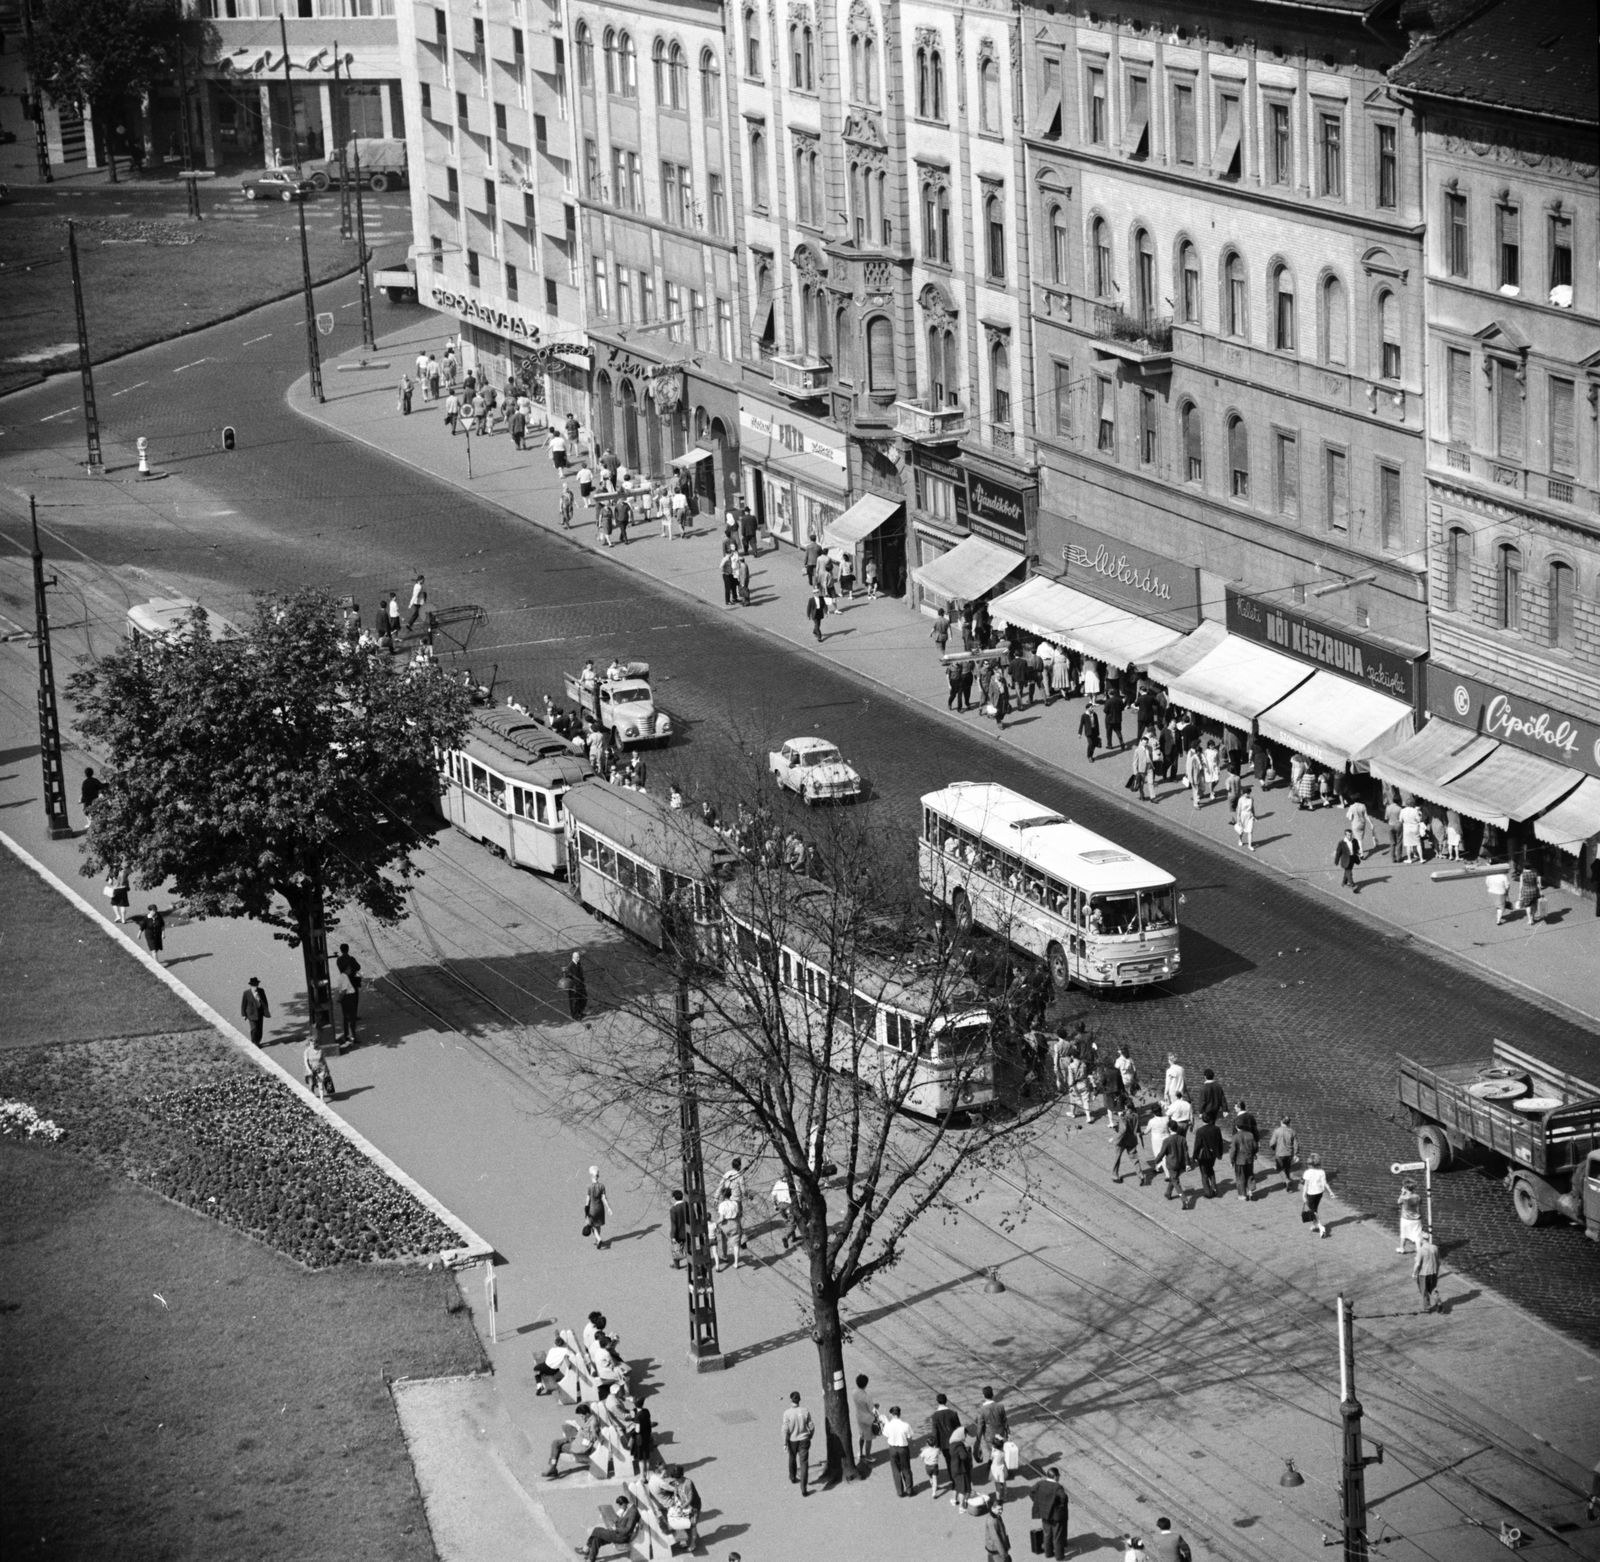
(474, 1249)
(1376, 921)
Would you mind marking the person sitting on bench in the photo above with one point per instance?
(620, 1533)
(548, 1373)
(578, 1439)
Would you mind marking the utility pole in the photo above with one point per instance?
(313, 355)
(91, 414)
(338, 130)
(704, 1350)
(288, 90)
(1353, 1463)
(55, 780)
(188, 137)
(313, 927)
(368, 339)
(41, 139)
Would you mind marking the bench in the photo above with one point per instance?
(580, 1382)
(653, 1540)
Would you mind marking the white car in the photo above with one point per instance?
(813, 768)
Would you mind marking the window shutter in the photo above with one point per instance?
(1508, 412)
(1459, 396)
(1191, 433)
(1047, 124)
(880, 355)
(1563, 438)
(1338, 491)
(1228, 140)
(1288, 473)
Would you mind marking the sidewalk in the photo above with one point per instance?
(889, 645)
(1168, 1360)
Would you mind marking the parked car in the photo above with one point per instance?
(814, 769)
(282, 184)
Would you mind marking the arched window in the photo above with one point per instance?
(752, 42)
(1144, 274)
(1388, 337)
(843, 342)
(1100, 258)
(802, 53)
(994, 224)
(630, 426)
(880, 355)
(1282, 309)
(1000, 385)
(885, 224)
(857, 88)
(1189, 285)
(1458, 570)
(584, 44)
(924, 86)
(1193, 450)
(859, 215)
(936, 70)
(658, 70)
(869, 66)
(607, 429)
(939, 368)
(710, 85)
(1238, 458)
(989, 95)
(1510, 583)
(627, 67)
(1335, 323)
(758, 169)
(1235, 305)
(608, 44)
(819, 325)
(802, 187)
(944, 225)
(677, 78)
(1561, 588)
(1057, 226)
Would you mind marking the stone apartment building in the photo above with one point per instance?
(1509, 107)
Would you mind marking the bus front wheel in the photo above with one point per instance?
(1060, 974)
(961, 907)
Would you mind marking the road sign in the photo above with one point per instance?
(1405, 1166)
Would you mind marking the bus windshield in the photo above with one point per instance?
(1114, 915)
(964, 1038)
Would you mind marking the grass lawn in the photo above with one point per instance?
(174, 1390)
(149, 271)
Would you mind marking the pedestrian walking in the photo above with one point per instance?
(573, 983)
(798, 1431)
(943, 1423)
(349, 1005)
(1411, 832)
(567, 507)
(433, 378)
(419, 600)
(394, 615)
(1283, 1145)
(1141, 771)
(117, 890)
(92, 787)
(585, 482)
(958, 1455)
(1089, 730)
(1210, 1101)
(1243, 1155)
(816, 611)
(1425, 1271)
(747, 529)
(743, 569)
(1126, 1141)
(1049, 1507)
(1410, 1202)
(897, 1434)
(864, 1415)
(406, 388)
(993, 1428)
(254, 1009)
(1167, 1545)
(1173, 1081)
(1313, 1186)
(999, 1474)
(558, 452)
(952, 675)
(1207, 1152)
(1001, 697)
(153, 924)
(728, 1231)
(1173, 1158)
(678, 510)
(1244, 823)
(596, 1207)
(1345, 857)
(1360, 822)
(869, 578)
(730, 579)
(678, 1227)
(624, 515)
(940, 633)
(813, 556)
(996, 1542)
(452, 412)
(1530, 893)
(519, 426)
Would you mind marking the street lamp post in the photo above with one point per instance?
(91, 413)
(1353, 1462)
(338, 131)
(288, 92)
(188, 138)
(313, 354)
(55, 780)
(368, 339)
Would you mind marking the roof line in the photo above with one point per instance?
(1503, 108)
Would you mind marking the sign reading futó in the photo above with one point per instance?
(1523, 723)
(500, 320)
(1147, 582)
(1361, 660)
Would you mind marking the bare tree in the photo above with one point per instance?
(834, 1029)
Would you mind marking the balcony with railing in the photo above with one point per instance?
(1144, 339)
(926, 425)
(800, 378)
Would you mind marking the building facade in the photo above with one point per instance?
(1509, 102)
(1227, 308)
(494, 204)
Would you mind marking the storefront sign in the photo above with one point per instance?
(792, 437)
(575, 353)
(626, 366)
(1525, 724)
(1362, 661)
(995, 506)
(500, 320)
(1145, 581)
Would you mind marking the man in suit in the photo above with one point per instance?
(255, 1009)
(942, 1423)
(816, 611)
(798, 1431)
(1211, 1101)
(992, 1425)
(1050, 1512)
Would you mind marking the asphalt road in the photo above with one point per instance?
(1298, 1007)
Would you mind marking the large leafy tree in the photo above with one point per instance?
(101, 53)
(275, 774)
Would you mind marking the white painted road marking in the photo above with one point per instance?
(65, 412)
(254, 339)
(126, 388)
(351, 305)
(196, 364)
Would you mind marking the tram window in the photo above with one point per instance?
(555, 806)
(497, 791)
(785, 975)
(541, 804)
(1156, 910)
(516, 801)
(919, 1034)
(608, 861)
(480, 780)
(588, 848)
(1114, 914)
(627, 872)
(745, 940)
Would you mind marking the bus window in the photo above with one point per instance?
(480, 781)
(541, 804)
(1156, 909)
(588, 848)
(964, 1039)
(1114, 915)
(608, 861)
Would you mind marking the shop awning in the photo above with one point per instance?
(1236, 681)
(782, 465)
(1426, 764)
(863, 518)
(1511, 784)
(968, 570)
(691, 457)
(1336, 721)
(1170, 665)
(1573, 820)
(1073, 618)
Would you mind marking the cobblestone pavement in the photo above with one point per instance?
(1298, 1007)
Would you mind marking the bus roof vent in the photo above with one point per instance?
(1105, 854)
(1037, 822)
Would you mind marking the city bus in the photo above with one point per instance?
(1098, 914)
(915, 1027)
(506, 786)
(627, 853)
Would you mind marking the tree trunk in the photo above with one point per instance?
(312, 929)
(828, 1331)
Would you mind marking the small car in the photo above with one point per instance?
(813, 768)
(283, 183)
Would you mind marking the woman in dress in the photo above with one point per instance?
(1410, 1202)
(119, 895)
(1360, 822)
(1411, 832)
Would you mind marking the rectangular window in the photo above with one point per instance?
(541, 132)
(1280, 146)
(500, 120)
(674, 301)
(1063, 398)
(1336, 490)
(1455, 216)
(1563, 428)
(1458, 396)
(725, 329)
(489, 198)
(552, 298)
(1097, 106)
(1508, 223)
(716, 206)
(1106, 408)
(511, 282)
(1388, 167)
(436, 252)
(1561, 262)
(1225, 155)
(591, 170)
(1147, 427)
(697, 320)
(530, 216)
(1389, 518)
(1287, 472)
(1136, 116)
(671, 198)
(1048, 124)
(624, 294)
(635, 183)
(647, 297)
(1183, 124)
(461, 110)
(1507, 412)
(1330, 155)
(427, 101)
(619, 179)
(472, 267)
(602, 291)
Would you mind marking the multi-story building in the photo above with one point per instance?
(1508, 102)
(658, 168)
(494, 204)
(1227, 311)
